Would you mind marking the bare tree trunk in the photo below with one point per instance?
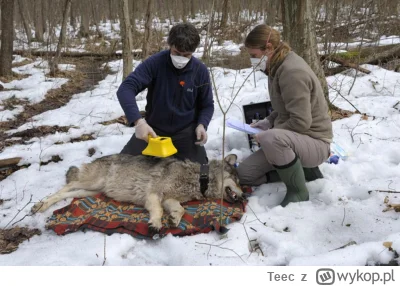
(126, 36)
(147, 31)
(24, 19)
(169, 16)
(7, 37)
(61, 40)
(225, 14)
(192, 9)
(185, 11)
(239, 11)
(95, 19)
(113, 16)
(299, 31)
(207, 45)
(38, 21)
(132, 12)
(175, 10)
(332, 24)
(271, 13)
(84, 28)
(44, 13)
(72, 19)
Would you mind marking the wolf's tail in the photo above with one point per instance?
(72, 174)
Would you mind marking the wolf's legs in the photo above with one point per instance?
(153, 205)
(68, 191)
(174, 208)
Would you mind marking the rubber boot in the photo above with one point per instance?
(311, 174)
(292, 176)
(273, 177)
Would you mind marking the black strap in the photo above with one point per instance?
(204, 178)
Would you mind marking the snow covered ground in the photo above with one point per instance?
(344, 207)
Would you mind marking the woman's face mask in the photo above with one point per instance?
(179, 62)
(259, 64)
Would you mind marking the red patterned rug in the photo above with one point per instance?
(100, 213)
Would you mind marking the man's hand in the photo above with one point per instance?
(201, 135)
(143, 130)
(262, 124)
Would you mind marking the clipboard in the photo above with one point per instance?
(241, 126)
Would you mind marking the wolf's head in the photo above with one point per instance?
(225, 171)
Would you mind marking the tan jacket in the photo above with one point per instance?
(298, 100)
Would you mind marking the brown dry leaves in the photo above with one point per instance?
(11, 238)
(390, 206)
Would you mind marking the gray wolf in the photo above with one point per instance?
(155, 183)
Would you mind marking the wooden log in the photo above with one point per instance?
(9, 162)
(384, 56)
(345, 63)
(335, 70)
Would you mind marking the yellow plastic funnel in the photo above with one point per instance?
(160, 147)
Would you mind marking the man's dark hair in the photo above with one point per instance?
(184, 37)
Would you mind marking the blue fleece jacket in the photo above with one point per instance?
(176, 98)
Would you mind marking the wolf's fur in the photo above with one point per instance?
(154, 183)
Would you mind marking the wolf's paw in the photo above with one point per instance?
(155, 225)
(39, 207)
(175, 218)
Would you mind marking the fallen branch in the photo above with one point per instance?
(345, 63)
(384, 191)
(30, 200)
(9, 162)
(342, 96)
(378, 58)
(223, 248)
(344, 246)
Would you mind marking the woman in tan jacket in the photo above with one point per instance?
(298, 132)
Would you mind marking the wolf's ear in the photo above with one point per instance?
(231, 159)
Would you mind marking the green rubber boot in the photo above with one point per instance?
(293, 177)
(311, 174)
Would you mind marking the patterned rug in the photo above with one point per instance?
(100, 213)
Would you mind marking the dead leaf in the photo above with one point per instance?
(364, 117)
(395, 207)
(11, 238)
(386, 200)
(388, 244)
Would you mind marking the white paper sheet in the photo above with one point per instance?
(241, 126)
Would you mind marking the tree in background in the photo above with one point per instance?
(272, 10)
(85, 20)
(147, 30)
(225, 14)
(299, 32)
(61, 41)
(25, 20)
(126, 35)
(7, 37)
(38, 21)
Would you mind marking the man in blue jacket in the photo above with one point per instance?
(179, 97)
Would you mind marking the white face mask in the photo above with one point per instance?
(179, 62)
(259, 64)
